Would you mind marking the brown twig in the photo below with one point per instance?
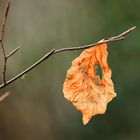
(111, 39)
(6, 11)
(2, 97)
(28, 69)
(2, 31)
(4, 63)
(12, 52)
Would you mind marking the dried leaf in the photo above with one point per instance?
(89, 92)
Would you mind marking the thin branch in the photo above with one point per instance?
(6, 11)
(107, 40)
(4, 63)
(111, 39)
(28, 69)
(13, 52)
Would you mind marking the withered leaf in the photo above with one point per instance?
(89, 92)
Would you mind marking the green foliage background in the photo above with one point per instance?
(36, 108)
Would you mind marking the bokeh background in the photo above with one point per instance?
(36, 108)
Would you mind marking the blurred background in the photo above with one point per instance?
(36, 108)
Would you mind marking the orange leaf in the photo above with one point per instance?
(84, 88)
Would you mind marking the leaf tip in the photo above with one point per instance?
(86, 118)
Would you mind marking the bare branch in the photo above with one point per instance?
(4, 63)
(28, 69)
(111, 39)
(6, 11)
